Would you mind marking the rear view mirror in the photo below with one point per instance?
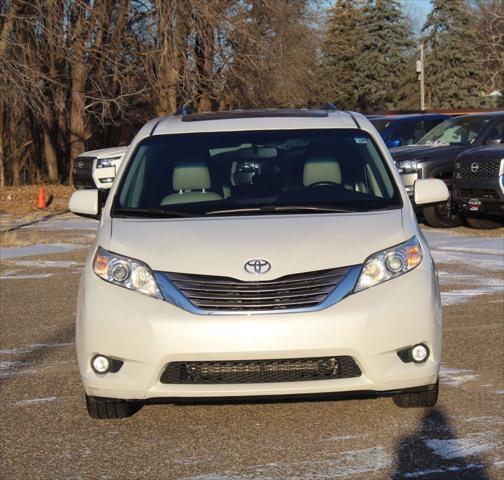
(85, 203)
(430, 191)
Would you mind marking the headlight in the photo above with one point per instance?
(407, 166)
(125, 272)
(106, 162)
(390, 263)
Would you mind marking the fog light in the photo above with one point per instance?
(100, 364)
(419, 353)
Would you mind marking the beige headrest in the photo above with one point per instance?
(321, 167)
(191, 175)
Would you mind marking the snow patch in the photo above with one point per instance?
(47, 263)
(473, 444)
(32, 401)
(346, 437)
(32, 250)
(27, 276)
(33, 347)
(344, 465)
(454, 377)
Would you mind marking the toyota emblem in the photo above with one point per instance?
(474, 167)
(257, 266)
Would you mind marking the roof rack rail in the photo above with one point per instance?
(256, 113)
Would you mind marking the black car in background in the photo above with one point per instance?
(400, 130)
(478, 188)
(434, 157)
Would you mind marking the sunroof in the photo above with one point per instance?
(259, 113)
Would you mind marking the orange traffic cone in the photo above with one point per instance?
(41, 202)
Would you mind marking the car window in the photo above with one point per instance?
(430, 124)
(201, 172)
(407, 133)
(496, 134)
(381, 125)
(456, 131)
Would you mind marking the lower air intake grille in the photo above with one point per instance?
(261, 371)
(482, 193)
(302, 290)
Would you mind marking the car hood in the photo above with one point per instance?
(222, 246)
(426, 152)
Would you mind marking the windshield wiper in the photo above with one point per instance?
(281, 208)
(151, 213)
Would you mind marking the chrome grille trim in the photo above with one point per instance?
(315, 297)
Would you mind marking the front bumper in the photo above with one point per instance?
(489, 193)
(370, 326)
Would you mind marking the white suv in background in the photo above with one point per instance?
(97, 168)
(258, 254)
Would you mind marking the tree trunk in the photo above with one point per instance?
(51, 157)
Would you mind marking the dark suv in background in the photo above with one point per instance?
(434, 157)
(478, 188)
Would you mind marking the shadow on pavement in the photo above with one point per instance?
(416, 460)
(33, 222)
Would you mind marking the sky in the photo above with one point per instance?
(418, 9)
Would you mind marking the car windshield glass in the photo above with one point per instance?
(254, 172)
(380, 125)
(456, 131)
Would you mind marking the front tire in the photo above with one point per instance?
(482, 223)
(442, 216)
(111, 408)
(423, 399)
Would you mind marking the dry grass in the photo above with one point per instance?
(22, 201)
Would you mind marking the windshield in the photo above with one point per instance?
(280, 172)
(456, 131)
(381, 125)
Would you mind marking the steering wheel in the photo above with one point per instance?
(323, 184)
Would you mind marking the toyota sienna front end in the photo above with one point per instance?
(258, 254)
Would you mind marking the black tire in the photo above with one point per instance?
(422, 399)
(110, 408)
(442, 216)
(483, 223)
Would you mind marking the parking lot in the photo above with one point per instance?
(46, 432)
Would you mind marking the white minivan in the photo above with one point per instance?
(258, 253)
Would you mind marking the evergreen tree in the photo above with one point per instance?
(339, 52)
(453, 74)
(382, 63)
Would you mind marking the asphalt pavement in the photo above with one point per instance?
(45, 432)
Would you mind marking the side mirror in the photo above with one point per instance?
(430, 191)
(394, 143)
(85, 203)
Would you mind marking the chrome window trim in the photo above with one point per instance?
(172, 295)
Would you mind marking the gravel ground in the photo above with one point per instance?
(46, 434)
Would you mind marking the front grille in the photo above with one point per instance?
(82, 172)
(478, 193)
(301, 290)
(261, 371)
(485, 169)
